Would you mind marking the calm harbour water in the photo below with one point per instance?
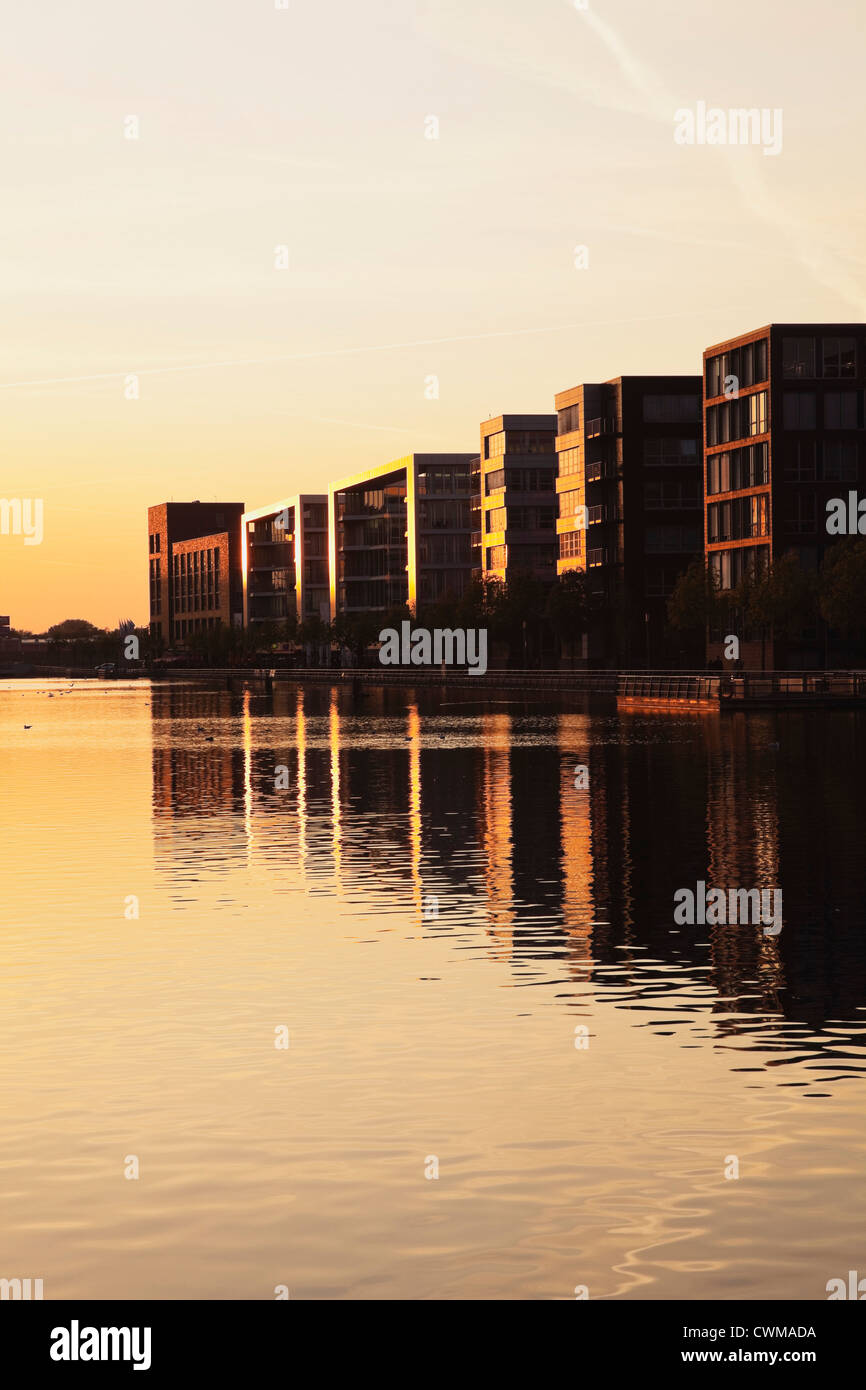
(431, 908)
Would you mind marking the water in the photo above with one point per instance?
(431, 909)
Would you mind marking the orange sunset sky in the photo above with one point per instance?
(408, 257)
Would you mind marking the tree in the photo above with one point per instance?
(73, 630)
(842, 586)
(695, 603)
(517, 614)
(313, 633)
(356, 631)
(570, 608)
(779, 600)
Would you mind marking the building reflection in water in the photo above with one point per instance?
(395, 802)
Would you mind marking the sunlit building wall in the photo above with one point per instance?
(194, 567)
(285, 560)
(784, 433)
(517, 497)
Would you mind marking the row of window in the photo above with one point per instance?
(372, 593)
(739, 519)
(843, 410)
(521, 519)
(669, 410)
(358, 564)
(665, 496)
(197, 561)
(193, 599)
(670, 453)
(729, 567)
(441, 515)
(839, 462)
(568, 461)
(746, 366)
(737, 419)
(519, 442)
(444, 550)
(686, 540)
(521, 480)
(738, 468)
(154, 543)
(357, 502)
(376, 530)
(831, 357)
(155, 587)
(184, 626)
(571, 502)
(444, 480)
(571, 545)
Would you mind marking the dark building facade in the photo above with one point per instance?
(784, 435)
(629, 488)
(194, 567)
(400, 534)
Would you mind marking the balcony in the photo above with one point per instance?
(595, 428)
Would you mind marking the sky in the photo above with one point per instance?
(408, 257)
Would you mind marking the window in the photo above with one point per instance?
(568, 461)
(494, 445)
(671, 409)
(496, 519)
(798, 410)
(842, 410)
(746, 364)
(568, 419)
(664, 496)
(496, 557)
(737, 469)
(799, 466)
(839, 357)
(672, 539)
(660, 583)
(737, 419)
(840, 463)
(670, 453)
(570, 502)
(798, 357)
(758, 413)
(800, 513)
(570, 545)
(495, 481)
(729, 566)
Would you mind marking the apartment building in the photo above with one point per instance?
(285, 561)
(514, 498)
(194, 568)
(629, 489)
(400, 533)
(784, 434)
